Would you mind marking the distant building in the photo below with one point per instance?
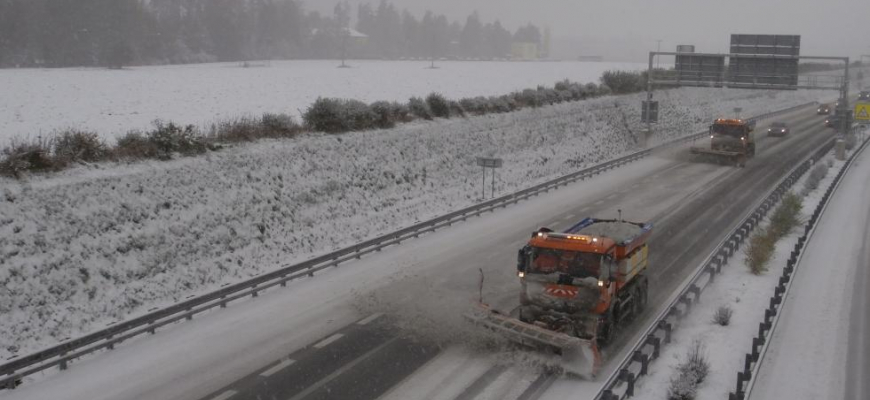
(524, 51)
(357, 37)
(545, 50)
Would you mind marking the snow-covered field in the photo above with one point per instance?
(747, 295)
(94, 245)
(39, 101)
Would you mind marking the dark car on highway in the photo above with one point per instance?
(778, 129)
(864, 95)
(824, 109)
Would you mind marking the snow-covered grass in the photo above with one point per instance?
(96, 244)
(747, 296)
(111, 102)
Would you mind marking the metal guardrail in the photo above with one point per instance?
(752, 362)
(63, 353)
(621, 383)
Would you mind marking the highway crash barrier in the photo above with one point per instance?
(753, 359)
(60, 355)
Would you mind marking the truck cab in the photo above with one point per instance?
(732, 135)
(582, 281)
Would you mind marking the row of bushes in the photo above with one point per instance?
(762, 244)
(165, 139)
(325, 115)
(339, 115)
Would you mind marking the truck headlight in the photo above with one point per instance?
(521, 274)
(600, 283)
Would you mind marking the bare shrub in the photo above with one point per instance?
(690, 373)
(74, 145)
(385, 116)
(722, 316)
(243, 129)
(338, 116)
(169, 138)
(135, 145)
(33, 156)
(438, 105)
(279, 126)
(759, 251)
(786, 217)
(419, 108)
(621, 82)
(814, 178)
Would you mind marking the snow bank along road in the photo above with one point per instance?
(362, 330)
(820, 348)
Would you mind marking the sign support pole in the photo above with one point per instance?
(649, 97)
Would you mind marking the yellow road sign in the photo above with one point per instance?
(862, 112)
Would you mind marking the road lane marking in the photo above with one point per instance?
(272, 371)
(551, 224)
(225, 395)
(370, 318)
(317, 385)
(568, 217)
(327, 341)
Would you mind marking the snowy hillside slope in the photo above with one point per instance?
(90, 246)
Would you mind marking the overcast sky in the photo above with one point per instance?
(625, 30)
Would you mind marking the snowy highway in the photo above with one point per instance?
(389, 326)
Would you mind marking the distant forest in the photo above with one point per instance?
(114, 33)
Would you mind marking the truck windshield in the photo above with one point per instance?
(728, 130)
(574, 263)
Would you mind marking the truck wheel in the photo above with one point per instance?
(605, 329)
(641, 292)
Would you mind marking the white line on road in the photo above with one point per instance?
(327, 341)
(370, 318)
(281, 365)
(568, 217)
(340, 371)
(225, 395)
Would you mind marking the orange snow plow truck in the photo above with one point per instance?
(577, 288)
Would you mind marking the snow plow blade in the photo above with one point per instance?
(578, 356)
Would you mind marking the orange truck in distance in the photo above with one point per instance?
(731, 140)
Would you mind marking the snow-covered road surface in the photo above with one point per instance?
(820, 349)
(426, 284)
